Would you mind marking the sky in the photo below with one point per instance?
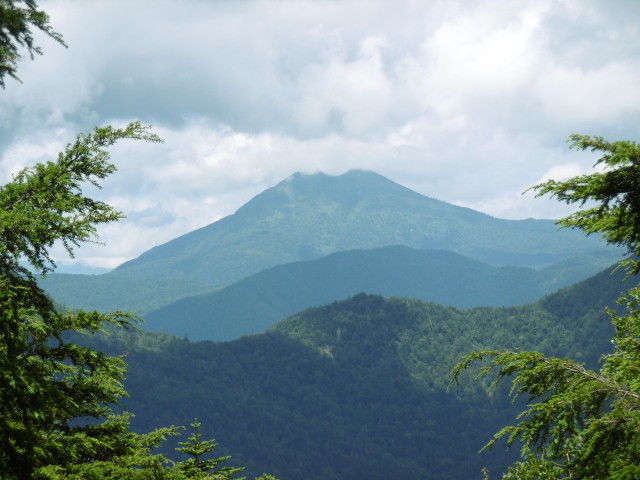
(470, 102)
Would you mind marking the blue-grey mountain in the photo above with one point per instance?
(310, 216)
(257, 302)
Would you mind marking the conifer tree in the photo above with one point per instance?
(54, 395)
(198, 467)
(579, 423)
(17, 18)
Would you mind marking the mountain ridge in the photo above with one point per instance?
(258, 301)
(361, 381)
(309, 216)
(306, 217)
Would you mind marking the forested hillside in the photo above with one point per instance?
(257, 302)
(362, 382)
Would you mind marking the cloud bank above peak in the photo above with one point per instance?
(468, 102)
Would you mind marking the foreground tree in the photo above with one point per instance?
(17, 19)
(582, 424)
(197, 466)
(51, 391)
(612, 195)
(56, 396)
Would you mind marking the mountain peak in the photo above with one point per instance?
(359, 178)
(308, 216)
(346, 190)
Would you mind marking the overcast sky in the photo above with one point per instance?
(466, 101)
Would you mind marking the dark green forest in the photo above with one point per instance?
(362, 382)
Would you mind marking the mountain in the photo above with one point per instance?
(358, 388)
(109, 292)
(310, 216)
(257, 302)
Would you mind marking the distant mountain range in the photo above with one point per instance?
(257, 302)
(358, 388)
(310, 216)
(307, 217)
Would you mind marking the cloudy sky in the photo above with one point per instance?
(466, 101)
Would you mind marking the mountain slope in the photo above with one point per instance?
(357, 389)
(109, 293)
(257, 302)
(310, 216)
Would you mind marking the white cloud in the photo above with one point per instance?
(469, 102)
(575, 96)
(485, 54)
(563, 172)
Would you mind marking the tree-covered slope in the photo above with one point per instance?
(357, 389)
(108, 293)
(257, 302)
(310, 216)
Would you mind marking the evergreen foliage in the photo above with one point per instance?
(578, 423)
(361, 381)
(17, 18)
(198, 467)
(581, 423)
(125, 455)
(57, 395)
(49, 385)
(612, 195)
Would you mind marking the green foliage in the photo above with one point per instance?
(580, 423)
(132, 456)
(57, 392)
(17, 18)
(196, 466)
(45, 204)
(126, 455)
(361, 382)
(612, 196)
(56, 395)
(52, 392)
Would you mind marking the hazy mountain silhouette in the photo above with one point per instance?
(257, 302)
(310, 216)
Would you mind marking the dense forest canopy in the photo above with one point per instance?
(336, 381)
